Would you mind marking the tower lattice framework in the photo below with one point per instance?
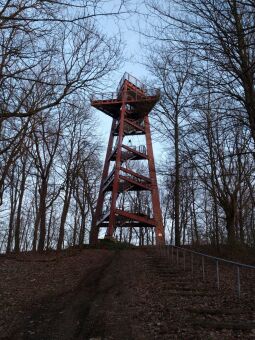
(129, 170)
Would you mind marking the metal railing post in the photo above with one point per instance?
(238, 281)
(203, 267)
(217, 274)
(237, 265)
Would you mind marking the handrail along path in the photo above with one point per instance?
(175, 253)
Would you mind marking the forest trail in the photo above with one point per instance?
(128, 294)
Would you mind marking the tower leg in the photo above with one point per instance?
(94, 229)
(111, 226)
(160, 235)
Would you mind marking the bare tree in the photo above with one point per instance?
(222, 34)
(49, 51)
(215, 144)
(172, 73)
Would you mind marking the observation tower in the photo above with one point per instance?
(128, 204)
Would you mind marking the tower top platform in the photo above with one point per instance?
(129, 91)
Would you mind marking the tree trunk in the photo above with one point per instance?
(177, 186)
(230, 225)
(49, 228)
(18, 219)
(82, 230)
(130, 236)
(36, 228)
(76, 220)
(216, 223)
(13, 199)
(10, 231)
(42, 214)
(66, 205)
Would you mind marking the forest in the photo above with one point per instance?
(56, 54)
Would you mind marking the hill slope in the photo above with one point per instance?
(125, 294)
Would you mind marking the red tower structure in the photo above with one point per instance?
(124, 174)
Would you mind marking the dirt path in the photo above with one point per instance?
(64, 316)
(134, 294)
(102, 306)
(35, 289)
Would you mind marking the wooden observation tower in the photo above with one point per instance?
(129, 169)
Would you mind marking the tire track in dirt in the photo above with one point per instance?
(64, 316)
(102, 306)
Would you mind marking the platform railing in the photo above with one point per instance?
(109, 96)
(148, 95)
(132, 80)
(188, 259)
(137, 148)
